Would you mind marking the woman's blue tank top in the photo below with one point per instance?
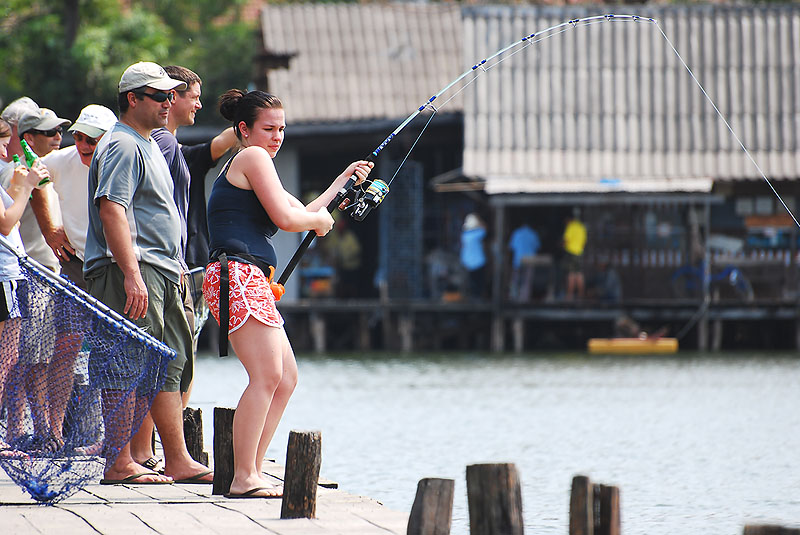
(238, 225)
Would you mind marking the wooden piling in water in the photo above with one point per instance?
(770, 530)
(193, 434)
(303, 461)
(432, 511)
(495, 499)
(593, 509)
(223, 450)
(581, 507)
(607, 519)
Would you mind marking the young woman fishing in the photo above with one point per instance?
(247, 206)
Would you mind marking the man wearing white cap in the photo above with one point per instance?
(69, 171)
(131, 264)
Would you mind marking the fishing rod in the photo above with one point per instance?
(361, 202)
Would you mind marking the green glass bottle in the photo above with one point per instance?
(16, 160)
(30, 159)
(30, 156)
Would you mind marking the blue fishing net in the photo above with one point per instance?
(79, 379)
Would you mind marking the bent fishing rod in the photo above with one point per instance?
(365, 200)
(368, 198)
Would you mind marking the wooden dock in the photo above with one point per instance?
(189, 509)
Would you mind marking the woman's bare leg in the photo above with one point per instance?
(279, 401)
(260, 349)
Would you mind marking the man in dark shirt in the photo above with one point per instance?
(201, 159)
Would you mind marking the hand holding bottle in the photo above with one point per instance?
(25, 178)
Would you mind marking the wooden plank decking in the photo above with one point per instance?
(188, 509)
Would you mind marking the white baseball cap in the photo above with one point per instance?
(472, 221)
(148, 74)
(94, 121)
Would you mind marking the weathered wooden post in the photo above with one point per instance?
(581, 507)
(495, 499)
(223, 450)
(432, 512)
(303, 460)
(317, 327)
(769, 530)
(193, 434)
(607, 519)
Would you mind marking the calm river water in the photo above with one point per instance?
(696, 443)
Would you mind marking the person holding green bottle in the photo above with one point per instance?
(41, 130)
(13, 200)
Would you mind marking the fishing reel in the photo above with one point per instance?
(364, 200)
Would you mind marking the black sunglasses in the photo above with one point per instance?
(48, 133)
(80, 136)
(159, 96)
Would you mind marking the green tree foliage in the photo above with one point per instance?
(68, 53)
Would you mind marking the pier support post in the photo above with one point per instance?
(518, 328)
(432, 512)
(363, 331)
(405, 327)
(593, 509)
(716, 335)
(193, 434)
(317, 325)
(223, 450)
(797, 330)
(770, 530)
(303, 460)
(498, 336)
(702, 333)
(495, 499)
(581, 507)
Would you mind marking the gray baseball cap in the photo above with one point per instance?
(15, 110)
(42, 119)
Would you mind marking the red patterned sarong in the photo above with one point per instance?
(250, 295)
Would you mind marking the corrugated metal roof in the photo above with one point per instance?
(362, 62)
(611, 103)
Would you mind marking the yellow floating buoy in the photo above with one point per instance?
(632, 345)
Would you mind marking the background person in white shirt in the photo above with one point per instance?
(69, 171)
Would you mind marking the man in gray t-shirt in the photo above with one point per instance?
(131, 171)
(131, 264)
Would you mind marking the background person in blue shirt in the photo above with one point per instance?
(524, 244)
(473, 257)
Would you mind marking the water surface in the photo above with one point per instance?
(696, 443)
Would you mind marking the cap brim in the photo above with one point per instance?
(166, 84)
(50, 123)
(91, 131)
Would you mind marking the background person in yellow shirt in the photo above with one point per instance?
(574, 243)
